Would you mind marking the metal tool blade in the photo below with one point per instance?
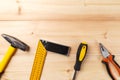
(16, 42)
(104, 51)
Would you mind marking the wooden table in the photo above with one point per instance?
(67, 22)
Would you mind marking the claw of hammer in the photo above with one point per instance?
(15, 43)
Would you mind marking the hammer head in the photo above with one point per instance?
(15, 42)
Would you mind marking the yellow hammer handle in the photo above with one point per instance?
(6, 58)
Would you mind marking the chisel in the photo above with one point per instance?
(81, 52)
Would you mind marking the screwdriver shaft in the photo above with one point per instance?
(81, 52)
(74, 77)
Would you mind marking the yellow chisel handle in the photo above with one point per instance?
(6, 58)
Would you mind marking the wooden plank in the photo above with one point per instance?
(92, 67)
(62, 13)
(102, 2)
(63, 2)
(54, 2)
(43, 2)
(68, 22)
(46, 10)
(69, 33)
(74, 32)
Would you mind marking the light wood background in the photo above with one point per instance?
(68, 22)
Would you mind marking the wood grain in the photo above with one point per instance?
(82, 10)
(69, 33)
(102, 2)
(67, 22)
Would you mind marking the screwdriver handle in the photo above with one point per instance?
(81, 53)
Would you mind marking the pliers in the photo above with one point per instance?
(107, 58)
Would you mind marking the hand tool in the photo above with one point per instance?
(107, 59)
(40, 56)
(15, 43)
(57, 48)
(81, 52)
(38, 62)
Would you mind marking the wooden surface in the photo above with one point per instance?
(68, 22)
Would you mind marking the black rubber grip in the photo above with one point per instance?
(78, 63)
(108, 70)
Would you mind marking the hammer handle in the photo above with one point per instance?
(7, 58)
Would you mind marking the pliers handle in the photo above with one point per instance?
(107, 61)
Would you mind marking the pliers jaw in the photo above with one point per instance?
(107, 59)
(104, 51)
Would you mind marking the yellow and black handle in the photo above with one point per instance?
(81, 52)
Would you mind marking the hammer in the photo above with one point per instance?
(15, 43)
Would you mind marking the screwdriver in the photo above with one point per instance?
(81, 52)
